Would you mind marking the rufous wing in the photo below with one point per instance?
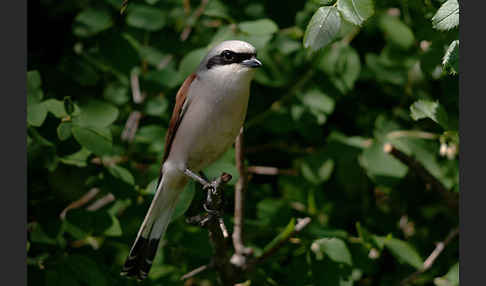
(177, 114)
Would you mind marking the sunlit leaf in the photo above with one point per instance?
(334, 248)
(322, 28)
(356, 11)
(429, 109)
(447, 17)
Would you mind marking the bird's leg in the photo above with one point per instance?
(214, 195)
(201, 179)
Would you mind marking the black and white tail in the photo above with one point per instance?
(151, 231)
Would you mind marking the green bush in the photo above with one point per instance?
(356, 105)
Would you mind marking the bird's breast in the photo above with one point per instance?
(210, 125)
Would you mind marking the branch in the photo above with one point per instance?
(196, 271)
(239, 258)
(423, 173)
(131, 126)
(301, 224)
(81, 202)
(264, 170)
(432, 257)
(217, 231)
(187, 30)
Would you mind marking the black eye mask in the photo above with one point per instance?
(228, 57)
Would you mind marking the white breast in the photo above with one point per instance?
(210, 123)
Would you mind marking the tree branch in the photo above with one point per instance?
(239, 258)
(423, 173)
(301, 224)
(432, 257)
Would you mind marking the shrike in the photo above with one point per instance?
(209, 111)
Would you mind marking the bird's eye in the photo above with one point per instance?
(227, 55)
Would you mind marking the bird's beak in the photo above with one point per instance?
(252, 63)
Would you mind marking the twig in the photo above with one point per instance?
(239, 258)
(123, 6)
(412, 133)
(137, 95)
(216, 228)
(131, 126)
(422, 173)
(187, 30)
(195, 272)
(432, 257)
(265, 170)
(81, 202)
(101, 202)
(301, 224)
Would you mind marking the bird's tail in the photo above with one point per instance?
(151, 231)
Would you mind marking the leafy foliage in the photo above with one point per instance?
(341, 80)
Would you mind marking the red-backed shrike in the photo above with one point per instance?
(209, 112)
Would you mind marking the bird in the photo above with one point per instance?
(209, 112)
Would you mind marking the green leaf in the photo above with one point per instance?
(166, 77)
(146, 17)
(116, 93)
(381, 167)
(191, 61)
(157, 106)
(115, 228)
(429, 109)
(96, 113)
(322, 28)
(184, 200)
(334, 248)
(37, 235)
(226, 163)
(36, 113)
(397, 32)
(342, 64)
(34, 83)
(77, 159)
(285, 233)
(64, 130)
(97, 140)
(447, 17)
(319, 101)
(91, 22)
(150, 133)
(216, 8)
(404, 252)
(86, 270)
(122, 174)
(317, 169)
(450, 279)
(356, 11)
(36, 110)
(56, 107)
(259, 27)
(451, 57)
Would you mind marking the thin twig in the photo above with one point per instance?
(301, 224)
(187, 30)
(137, 95)
(195, 272)
(265, 170)
(412, 133)
(81, 202)
(423, 173)
(239, 258)
(432, 257)
(101, 202)
(131, 126)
